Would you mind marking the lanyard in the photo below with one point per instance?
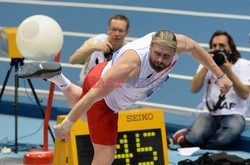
(215, 106)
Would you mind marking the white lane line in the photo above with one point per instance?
(131, 8)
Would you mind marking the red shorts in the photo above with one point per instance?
(102, 121)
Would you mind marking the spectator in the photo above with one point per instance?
(222, 119)
(100, 48)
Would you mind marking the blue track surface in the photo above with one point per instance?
(145, 16)
(194, 18)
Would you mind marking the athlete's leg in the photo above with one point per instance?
(104, 154)
(73, 94)
(102, 122)
(103, 128)
(51, 71)
(71, 91)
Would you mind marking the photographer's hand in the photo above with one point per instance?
(104, 47)
(226, 67)
(83, 54)
(240, 88)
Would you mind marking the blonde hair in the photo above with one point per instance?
(164, 38)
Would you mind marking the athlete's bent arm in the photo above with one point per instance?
(187, 45)
(128, 65)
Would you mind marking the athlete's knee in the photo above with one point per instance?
(105, 161)
(103, 158)
(104, 155)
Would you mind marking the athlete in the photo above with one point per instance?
(136, 71)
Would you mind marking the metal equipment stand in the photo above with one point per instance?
(16, 62)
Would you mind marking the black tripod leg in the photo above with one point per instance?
(16, 108)
(5, 82)
(40, 107)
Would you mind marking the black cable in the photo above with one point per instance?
(31, 133)
(40, 107)
(9, 142)
(32, 101)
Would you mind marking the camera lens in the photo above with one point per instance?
(109, 55)
(219, 58)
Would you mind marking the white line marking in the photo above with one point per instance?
(172, 109)
(131, 8)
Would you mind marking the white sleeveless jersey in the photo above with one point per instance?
(149, 80)
(233, 104)
(95, 58)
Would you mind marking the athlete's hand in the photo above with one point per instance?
(225, 84)
(61, 133)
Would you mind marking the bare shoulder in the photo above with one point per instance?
(129, 62)
(181, 40)
(130, 56)
(184, 43)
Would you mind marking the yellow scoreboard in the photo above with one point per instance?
(141, 140)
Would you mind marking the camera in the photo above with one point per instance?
(219, 56)
(109, 55)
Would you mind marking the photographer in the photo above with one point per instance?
(222, 119)
(100, 48)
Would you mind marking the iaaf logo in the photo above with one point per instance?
(140, 117)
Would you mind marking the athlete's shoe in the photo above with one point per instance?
(44, 70)
(179, 138)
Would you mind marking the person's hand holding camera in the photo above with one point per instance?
(226, 67)
(219, 56)
(104, 47)
(222, 59)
